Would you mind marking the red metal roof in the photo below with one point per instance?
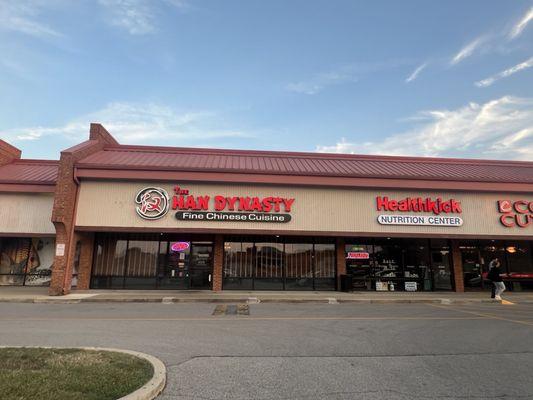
(29, 172)
(307, 164)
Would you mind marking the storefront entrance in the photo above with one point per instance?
(390, 264)
(187, 265)
(441, 271)
(154, 261)
(515, 257)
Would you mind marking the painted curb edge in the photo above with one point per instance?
(148, 391)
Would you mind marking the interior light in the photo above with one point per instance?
(511, 249)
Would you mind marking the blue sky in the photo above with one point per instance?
(425, 78)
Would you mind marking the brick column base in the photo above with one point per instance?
(457, 262)
(218, 263)
(86, 260)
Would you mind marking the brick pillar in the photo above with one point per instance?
(8, 153)
(86, 260)
(65, 200)
(341, 260)
(457, 262)
(218, 263)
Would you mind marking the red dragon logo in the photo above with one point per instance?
(152, 203)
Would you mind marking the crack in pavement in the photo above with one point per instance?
(462, 354)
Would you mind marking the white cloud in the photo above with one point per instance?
(501, 128)
(467, 50)
(519, 27)
(321, 81)
(135, 123)
(22, 16)
(349, 73)
(415, 73)
(504, 74)
(136, 16)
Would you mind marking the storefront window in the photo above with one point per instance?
(417, 272)
(110, 261)
(141, 264)
(325, 269)
(238, 265)
(26, 261)
(269, 266)
(359, 263)
(397, 264)
(299, 266)
(519, 258)
(520, 265)
(388, 265)
(491, 251)
(288, 263)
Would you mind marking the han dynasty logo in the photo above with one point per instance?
(152, 203)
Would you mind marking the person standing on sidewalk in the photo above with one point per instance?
(495, 276)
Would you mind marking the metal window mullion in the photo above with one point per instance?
(254, 264)
(311, 263)
(283, 272)
(157, 266)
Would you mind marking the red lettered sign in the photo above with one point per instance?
(358, 255)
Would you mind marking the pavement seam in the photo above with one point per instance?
(357, 356)
(247, 318)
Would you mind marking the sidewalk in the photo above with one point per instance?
(40, 295)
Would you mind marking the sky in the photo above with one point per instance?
(414, 77)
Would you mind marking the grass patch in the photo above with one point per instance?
(69, 374)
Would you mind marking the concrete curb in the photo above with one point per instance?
(154, 386)
(231, 300)
(149, 391)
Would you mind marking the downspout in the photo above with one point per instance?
(76, 179)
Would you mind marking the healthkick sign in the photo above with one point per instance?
(154, 203)
(437, 207)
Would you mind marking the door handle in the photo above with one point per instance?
(209, 277)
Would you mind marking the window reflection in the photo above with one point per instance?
(279, 263)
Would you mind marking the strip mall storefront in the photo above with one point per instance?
(112, 216)
(27, 235)
(169, 235)
(27, 245)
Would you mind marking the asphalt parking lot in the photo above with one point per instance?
(303, 351)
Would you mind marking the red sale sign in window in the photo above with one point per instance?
(358, 255)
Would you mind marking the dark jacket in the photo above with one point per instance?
(494, 274)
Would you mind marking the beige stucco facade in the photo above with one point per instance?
(317, 210)
(26, 214)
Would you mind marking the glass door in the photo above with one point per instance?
(471, 266)
(174, 271)
(185, 265)
(441, 269)
(201, 266)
